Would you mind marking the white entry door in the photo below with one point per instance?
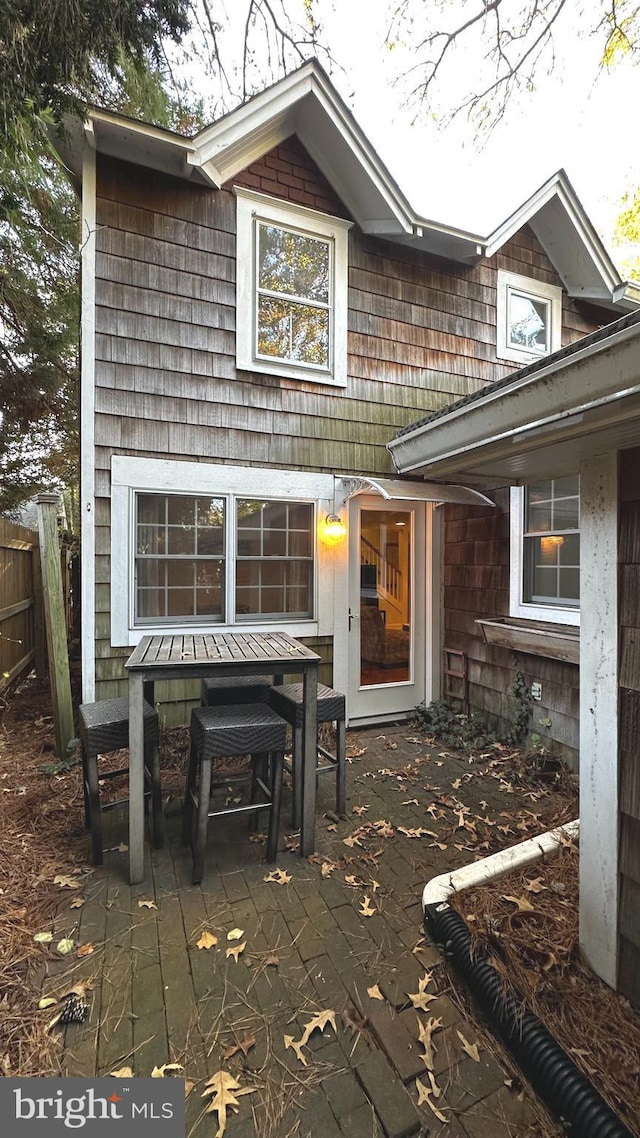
(387, 608)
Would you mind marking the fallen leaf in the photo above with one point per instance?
(278, 876)
(122, 1073)
(289, 1041)
(359, 810)
(65, 946)
(78, 902)
(353, 880)
(85, 950)
(535, 886)
(421, 999)
(352, 840)
(66, 882)
(224, 1091)
(145, 904)
(375, 993)
(425, 1032)
(272, 959)
(471, 1049)
(327, 868)
(207, 940)
(425, 1095)
(46, 1002)
(524, 905)
(257, 838)
(243, 1045)
(234, 950)
(366, 909)
(160, 1072)
(417, 832)
(332, 828)
(375, 885)
(188, 1087)
(43, 938)
(235, 934)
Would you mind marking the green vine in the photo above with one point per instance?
(470, 732)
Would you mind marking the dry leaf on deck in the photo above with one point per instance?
(354, 881)
(417, 832)
(46, 1002)
(375, 993)
(272, 958)
(352, 840)
(289, 1041)
(66, 882)
(160, 1072)
(425, 1095)
(524, 905)
(207, 940)
(421, 999)
(470, 1048)
(425, 1032)
(65, 945)
(367, 909)
(122, 1073)
(224, 1091)
(235, 934)
(234, 950)
(243, 1045)
(327, 868)
(78, 902)
(278, 877)
(534, 886)
(43, 938)
(359, 810)
(85, 950)
(292, 841)
(146, 904)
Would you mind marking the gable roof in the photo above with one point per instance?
(306, 103)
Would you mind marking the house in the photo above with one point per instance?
(271, 340)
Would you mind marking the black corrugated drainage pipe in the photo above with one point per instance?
(552, 1073)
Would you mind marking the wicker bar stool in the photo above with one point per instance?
(224, 732)
(287, 701)
(234, 690)
(104, 727)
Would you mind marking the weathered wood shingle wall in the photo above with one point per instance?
(629, 724)
(422, 332)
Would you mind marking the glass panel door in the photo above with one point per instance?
(385, 596)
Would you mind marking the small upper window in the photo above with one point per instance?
(291, 290)
(529, 315)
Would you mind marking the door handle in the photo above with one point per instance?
(353, 616)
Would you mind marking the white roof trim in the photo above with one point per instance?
(395, 490)
(305, 103)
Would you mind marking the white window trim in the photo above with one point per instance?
(252, 207)
(551, 614)
(538, 290)
(130, 476)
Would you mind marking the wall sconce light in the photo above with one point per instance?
(334, 528)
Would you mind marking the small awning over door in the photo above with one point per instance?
(397, 490)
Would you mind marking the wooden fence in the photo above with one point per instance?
(21, 628)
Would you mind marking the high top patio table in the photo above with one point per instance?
(183, 657)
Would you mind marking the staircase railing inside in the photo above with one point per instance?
(389, 577)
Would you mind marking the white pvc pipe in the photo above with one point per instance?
(439, 889)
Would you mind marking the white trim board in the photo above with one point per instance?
(87, 419)
(551, 614)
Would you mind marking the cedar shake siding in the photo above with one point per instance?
(629, 724)
(476, 584)
(421, 333)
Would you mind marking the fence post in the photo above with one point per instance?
(55, 621)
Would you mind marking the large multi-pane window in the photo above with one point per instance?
(220, 559)
(551, 543)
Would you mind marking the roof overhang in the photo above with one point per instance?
(396, 490)
(543, 424)
(306, 103)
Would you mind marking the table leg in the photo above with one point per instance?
(136, 779)
(309, 759)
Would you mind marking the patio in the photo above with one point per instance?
(338, 934)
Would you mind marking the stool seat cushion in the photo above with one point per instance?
(104, 726)
(287, 701)
(238, 729)
(234, 690)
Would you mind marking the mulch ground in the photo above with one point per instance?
(322, 936)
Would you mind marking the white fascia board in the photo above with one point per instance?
(600, 373)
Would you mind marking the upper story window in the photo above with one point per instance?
(291, 299)
(545, 550)
(529, 315)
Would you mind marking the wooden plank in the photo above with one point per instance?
(21, 668)
(12, 610)
(55, 622)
